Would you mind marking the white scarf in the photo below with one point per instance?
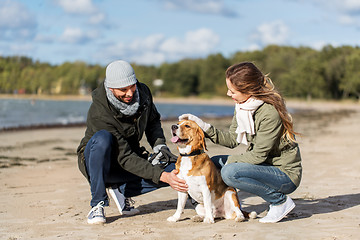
(244, 118)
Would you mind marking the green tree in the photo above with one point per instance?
(212, 75)
(180, 78)
(333, 60)
(297, 72)
(146, 74)
(306, 79)
(350, 83)
(257, 57)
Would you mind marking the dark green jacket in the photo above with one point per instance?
(127, 131)
(266, 146)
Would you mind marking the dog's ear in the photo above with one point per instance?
(201, 135)
(204, 144)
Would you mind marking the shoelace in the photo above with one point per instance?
(129, 203)
(99, 209)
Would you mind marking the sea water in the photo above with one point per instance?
(20, 113)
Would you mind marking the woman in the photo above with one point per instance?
(271, 166)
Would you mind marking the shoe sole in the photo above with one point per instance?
(96, 221)
(113, 195)
(131, 212)
(128, 213)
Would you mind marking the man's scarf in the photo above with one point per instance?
(127, 109)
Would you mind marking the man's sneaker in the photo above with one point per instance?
(129, 209)
(278, 212)
(97, 214)
(123, 204)
(192, 201)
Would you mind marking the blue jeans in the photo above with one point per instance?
(265, 181)
(104, 171)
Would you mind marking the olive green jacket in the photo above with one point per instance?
(127, 132)
(266, 146)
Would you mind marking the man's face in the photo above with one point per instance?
(125, 94)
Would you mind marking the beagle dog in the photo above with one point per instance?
(205, 185)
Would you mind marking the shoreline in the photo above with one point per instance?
(297, 107)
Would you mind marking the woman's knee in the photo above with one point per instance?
(227, 174)
(234, 171)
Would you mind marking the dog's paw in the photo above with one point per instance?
(209, 220)
(197, 218)
(172, 219)
(240, 218)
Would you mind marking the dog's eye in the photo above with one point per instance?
(187, 126)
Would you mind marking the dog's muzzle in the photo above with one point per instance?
(176, 138)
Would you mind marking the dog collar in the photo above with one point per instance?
(194, 153)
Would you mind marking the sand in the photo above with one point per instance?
(44, 196)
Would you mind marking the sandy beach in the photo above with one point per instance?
(44, 196)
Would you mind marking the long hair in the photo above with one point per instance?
(248, 79)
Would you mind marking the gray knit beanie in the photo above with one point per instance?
(119, 74)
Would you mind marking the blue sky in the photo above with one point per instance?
(151, 32)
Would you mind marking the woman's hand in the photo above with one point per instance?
(203, 125)
(176, 183)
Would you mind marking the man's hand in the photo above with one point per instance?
(176, 183)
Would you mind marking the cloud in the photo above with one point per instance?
(347, 20)
(22, 48)
(253, 47)
(195, 42)
(215, 7)
(77, 6)
(84, 8)
(156, 48)
(16, 49)
(149, 58)
(97, 18)
(347, 12)
(344, 6)
(271, 33)
(43, 39)
(349, 6)
(77, 36)
(318, 45)
(16, 21)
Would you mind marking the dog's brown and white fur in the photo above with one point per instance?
(205, 185)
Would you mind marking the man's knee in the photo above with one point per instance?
(98, 149)
(102, 140)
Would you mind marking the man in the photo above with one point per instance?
(110, 155)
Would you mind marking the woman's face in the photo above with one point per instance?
(237, 96)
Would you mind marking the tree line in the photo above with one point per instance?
(298, 72)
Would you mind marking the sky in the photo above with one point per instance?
(151, 32)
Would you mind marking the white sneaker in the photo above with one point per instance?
(97, 214)
(278, 212)
(123, 204)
